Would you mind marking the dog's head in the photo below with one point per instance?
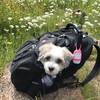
(54, 58)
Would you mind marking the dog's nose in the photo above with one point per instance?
(51, 69)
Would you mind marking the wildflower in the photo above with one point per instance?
(9, 18)
(22, 26)
(86, 18)
(52, 10)
(29, 23)
(21, 19)
(35, 25)
(56, 24)
(98, 24)
(9, 43)
(98, 15)
(90, 13)
(95, 3)
(68, 10)
(20, 1)
(6, 30)
(95, 11)
(63, 20)
(34, 20)
(43, 19)
(41, 25)
(34, 1)
(67, 13)
(84, 26)
(51, 14)
(45, 16)
(39, 18)
(39, 0)
(78, 13)
(62, 2)
(29, 27)
(11, 26)
(46, 13)
(22, 4)
(16, 26)
(27, 18)
(84, 1)
(44, 23)
(51, 6)
(44, 4)
(12, 33)
(99, 5)
(68, 19)
(58, 16)
(95, 21)
(89, 24)
(53, 3)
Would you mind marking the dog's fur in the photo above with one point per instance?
(54, 58)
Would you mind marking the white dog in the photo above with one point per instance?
(54, 58)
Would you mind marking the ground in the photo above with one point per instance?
(8, 92)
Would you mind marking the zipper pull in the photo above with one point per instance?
(77, 56)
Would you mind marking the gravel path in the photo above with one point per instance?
(7, 91)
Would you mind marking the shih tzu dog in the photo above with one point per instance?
(54, 58)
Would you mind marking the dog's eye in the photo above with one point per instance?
(47, 58)
(59, 61)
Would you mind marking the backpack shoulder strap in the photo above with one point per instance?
(95, 69)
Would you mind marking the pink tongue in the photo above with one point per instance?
(77, 56)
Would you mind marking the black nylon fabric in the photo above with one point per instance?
(27, 72)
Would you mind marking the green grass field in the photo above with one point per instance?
(21, 20)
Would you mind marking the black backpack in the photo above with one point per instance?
(28, 75)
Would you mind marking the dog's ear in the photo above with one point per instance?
(67, 54)
(43, 50)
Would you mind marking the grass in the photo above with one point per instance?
(21, 20)
(89, 93)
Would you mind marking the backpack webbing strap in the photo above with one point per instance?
(95, 69)
(77, 31)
